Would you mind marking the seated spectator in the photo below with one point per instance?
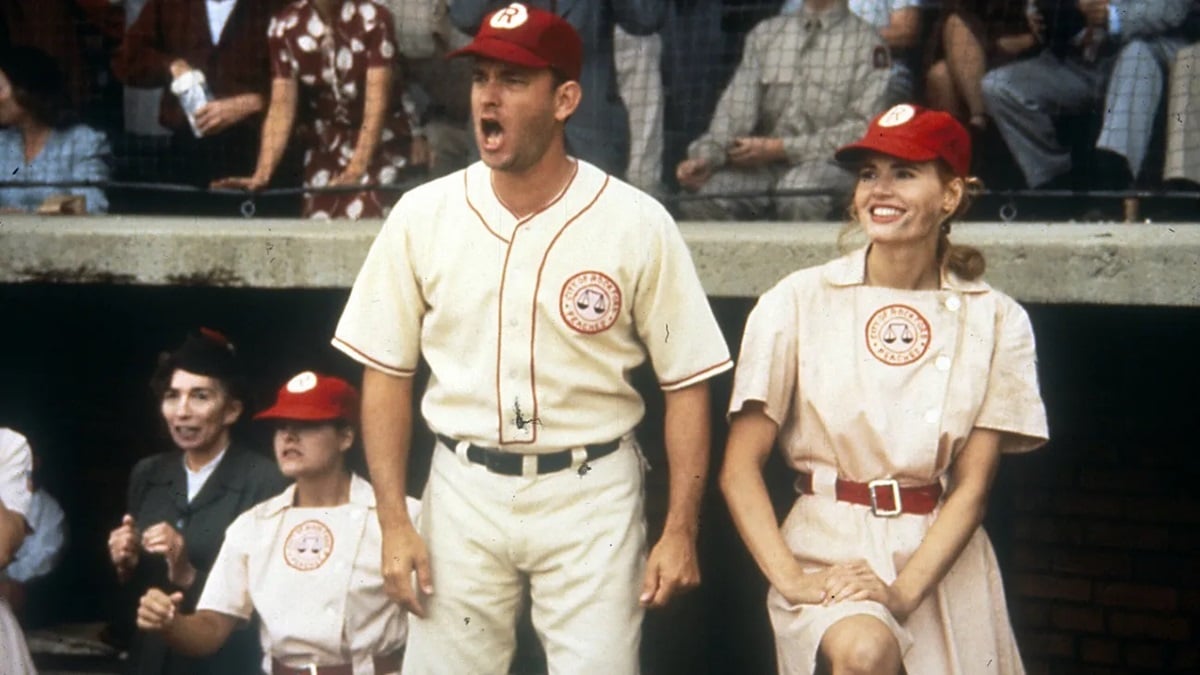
(1183, 118)
(307, 561)
(15, 466)
(333, 67)
(1107, 55)
(638, 60)
(172, 41)
(976, 36)
(808, 84)
(41, 550)
(899, 24)
(40, 144)
(438, 88)
(73, 33)
(598, 132)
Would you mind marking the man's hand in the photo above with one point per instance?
(178, 67)
(404, 552)
(421, 152)
(692, 174)
(671, 568)
(217, 116)
(1095, 12)
(164, 540)
(157, 610)
(752, 151)
(124, 543)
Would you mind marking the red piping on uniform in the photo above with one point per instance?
(483, 221)
(402, 372)
(538, 284)
(664, 385)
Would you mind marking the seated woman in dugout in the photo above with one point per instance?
(892, 379)
(307, 561)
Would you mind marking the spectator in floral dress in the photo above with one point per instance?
(332, 64)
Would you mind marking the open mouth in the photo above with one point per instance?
(492, 133)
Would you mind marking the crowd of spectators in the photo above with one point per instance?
(727, 109)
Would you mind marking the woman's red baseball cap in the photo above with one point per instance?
(310, 397)
(528, 36)
(915, 134)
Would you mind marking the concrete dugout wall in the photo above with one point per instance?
(1096, 532)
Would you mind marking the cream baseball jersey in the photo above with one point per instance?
(313, 576)
(16, 463)
(532, 325)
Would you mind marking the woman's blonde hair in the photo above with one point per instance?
(967, 262)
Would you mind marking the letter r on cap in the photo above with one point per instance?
(510, 17)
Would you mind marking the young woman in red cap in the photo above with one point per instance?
(180, 501)
(892, 379)
(306, 561)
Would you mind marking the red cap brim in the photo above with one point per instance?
(501, 50)
(899, 148)
(304, 413)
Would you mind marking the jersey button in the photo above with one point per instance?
(932, 415)
(942, 363)
(953, 303)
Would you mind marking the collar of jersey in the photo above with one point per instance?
(850, 270)
(361, 494)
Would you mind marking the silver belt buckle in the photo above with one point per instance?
(895, 488)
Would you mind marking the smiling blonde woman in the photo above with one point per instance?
(892, 379)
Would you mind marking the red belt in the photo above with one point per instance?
(388, 663)
(886, 497)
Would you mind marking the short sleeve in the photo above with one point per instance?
(380, 326)
(16, 463)
(1013, 401)
(379, 36)
(283, 61)
(227, 588)
(671, 311)
(766, 370)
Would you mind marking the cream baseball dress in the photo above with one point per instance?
(868, 383)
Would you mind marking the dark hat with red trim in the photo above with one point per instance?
(528, 36)
(311, 397)
(915, 134)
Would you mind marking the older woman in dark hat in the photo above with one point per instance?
(40, 142)
(181, 501)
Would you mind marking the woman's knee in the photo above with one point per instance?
(861, 645)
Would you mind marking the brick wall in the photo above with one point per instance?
(1104, 564)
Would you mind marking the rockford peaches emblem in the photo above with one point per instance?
(590, 302)
(308, 545)
(897, 335)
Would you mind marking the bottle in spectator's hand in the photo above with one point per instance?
(192, 89)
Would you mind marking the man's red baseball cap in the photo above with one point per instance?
(915, 134)
(309, 397)
(528, 36)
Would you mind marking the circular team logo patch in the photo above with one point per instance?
(513, 16)
(308, 545)
(897, 335)
(898, 115)
(590, 302)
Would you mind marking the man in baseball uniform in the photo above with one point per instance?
(532, 284)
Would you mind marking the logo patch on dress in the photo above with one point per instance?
(590, 302)
(897, 335)
(308, 545)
